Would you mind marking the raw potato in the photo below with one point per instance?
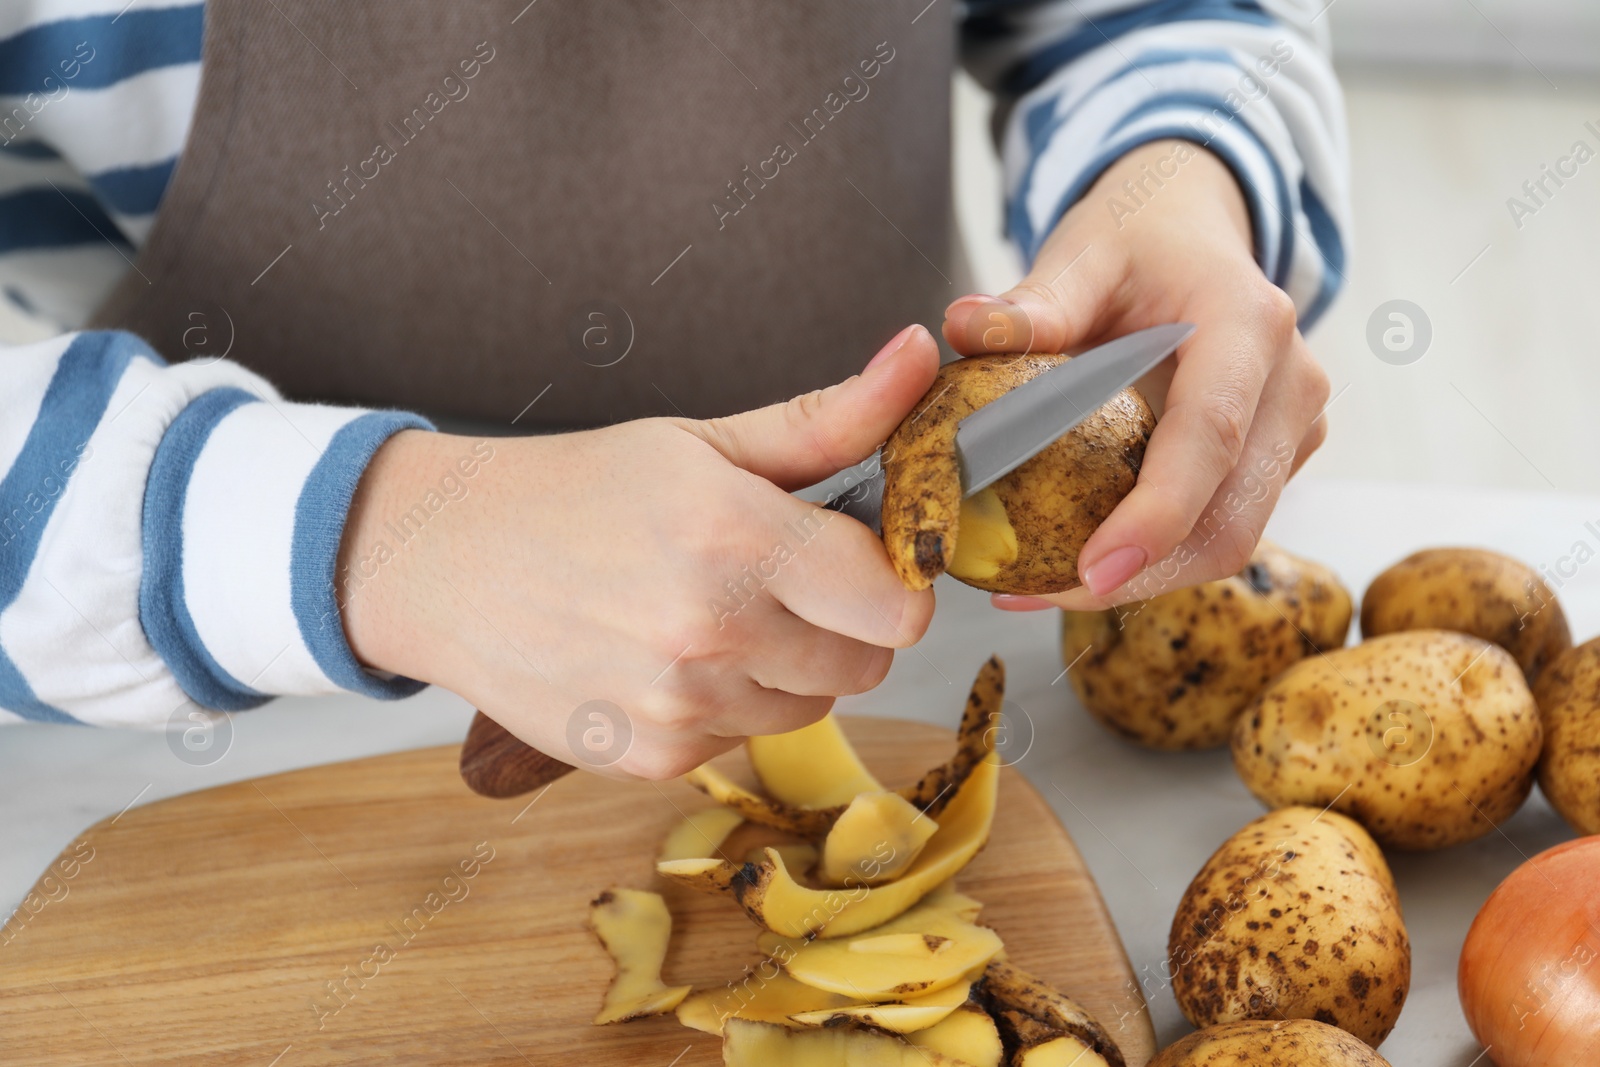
(1568, 694)
(1296, 1043)
(1295, 916)
(812, 767)
(1025, 536)
(1426, 738)
(1472, 591)
(966, 1034)
(930, 793)
(634, 926)
(699, 835)
(875, 840)
(1174, 671)
(770, 895)
(753, 1044)
(1033, 1018)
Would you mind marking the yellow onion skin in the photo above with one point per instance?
(1529, 978)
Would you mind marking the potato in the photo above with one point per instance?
(1022, 534)
(1472, 591)
(1568, 694)
(1426, 738)
(1174, 671)
(1042, 1026)
(1296, 1043)
(1295, 916)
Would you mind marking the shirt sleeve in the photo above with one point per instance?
(1082, 82)
(169, 534)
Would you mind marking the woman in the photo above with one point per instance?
(573, 216)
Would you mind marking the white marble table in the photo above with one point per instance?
(1145, 821)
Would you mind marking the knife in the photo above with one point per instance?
(990, 443)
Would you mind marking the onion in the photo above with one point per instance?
(1530, 969)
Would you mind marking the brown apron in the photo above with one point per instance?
(619, 207)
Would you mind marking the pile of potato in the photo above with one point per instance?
(1426, 734)
(870, 955)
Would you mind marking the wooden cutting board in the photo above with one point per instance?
(378, 912)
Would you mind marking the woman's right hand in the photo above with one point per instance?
(638, 599)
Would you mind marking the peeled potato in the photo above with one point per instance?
(1023, 534)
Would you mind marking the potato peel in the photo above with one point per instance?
(812, 767)
(634, 926)
(905, 1016)
(967, 1034)
(770, 895)
(699, 835)
(757, 998)
(755, 1044)
(878, 837)
(947, 951)
(1030, 1014)
(930, 793)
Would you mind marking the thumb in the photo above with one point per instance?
(1056, 308)
(814, 436)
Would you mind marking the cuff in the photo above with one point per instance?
(1053, 185)
(243, 514)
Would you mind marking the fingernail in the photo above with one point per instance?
(971, 300)
(1111, 571)
(1010, 602)
(896, 343)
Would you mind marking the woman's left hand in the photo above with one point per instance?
(1244, 408)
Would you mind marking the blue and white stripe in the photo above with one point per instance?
(96, 98)
(1088, 80)
(135, 576)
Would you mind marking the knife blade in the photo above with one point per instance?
(1007, 432)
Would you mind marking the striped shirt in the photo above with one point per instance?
(137, 581)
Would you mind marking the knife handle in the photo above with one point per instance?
(495, 763)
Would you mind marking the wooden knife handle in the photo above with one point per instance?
(494, 763)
